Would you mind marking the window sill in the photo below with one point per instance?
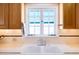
(42, 36)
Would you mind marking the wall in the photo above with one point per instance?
(61, 30)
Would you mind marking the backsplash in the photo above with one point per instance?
(10, 32)
(69, 32)
(19, 32)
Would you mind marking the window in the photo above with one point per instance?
(41, 21)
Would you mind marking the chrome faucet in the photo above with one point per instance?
(22, 29)
(41, 42)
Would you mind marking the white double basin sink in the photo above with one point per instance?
(47, 49)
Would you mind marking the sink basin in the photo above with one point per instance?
(31, 50)
(48, 49)
(52, 50)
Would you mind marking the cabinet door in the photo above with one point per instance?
(3, 16)
(77, 15)
(69, 16)
(14, 16)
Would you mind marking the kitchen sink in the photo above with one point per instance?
(47, 49)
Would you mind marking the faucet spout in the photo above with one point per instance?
(41, 42)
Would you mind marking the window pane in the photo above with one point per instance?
(37, 19)
(31, 24)
(45, 19)
(37, 25)
(31, 19)
(34, 21)
(51, 29)
(37, 30)
(49, 12)
(52, 19)
(31, 14)
(37, 14)
(45, 31)
(34, 13)
(31, 30)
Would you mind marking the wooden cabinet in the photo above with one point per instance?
(77, 15)
(15, 16)
(69, 15)
(10, 16)
(4, 16)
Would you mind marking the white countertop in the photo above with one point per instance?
(20, 42)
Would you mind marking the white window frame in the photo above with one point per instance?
(27, 6)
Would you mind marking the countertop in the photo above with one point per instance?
(70, 45)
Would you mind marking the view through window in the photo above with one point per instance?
(42, 21)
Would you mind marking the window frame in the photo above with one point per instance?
(27, 6)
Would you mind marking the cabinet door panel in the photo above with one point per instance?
(15, 16)
(77, 15)
(69, 16)
(3, 16)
